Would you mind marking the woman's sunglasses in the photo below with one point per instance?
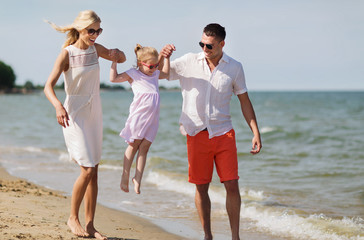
(92, 32)
(150, 66)
(209, 46)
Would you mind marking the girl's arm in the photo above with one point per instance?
(160, 61)
(116, 78)
(60, 65)
(165, 68)
(164, 62)
(117, 56)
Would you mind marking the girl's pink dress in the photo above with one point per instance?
(143, 119)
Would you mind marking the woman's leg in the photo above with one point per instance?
(140, 164)
(90, 205)
(128, 161)
(78, 192)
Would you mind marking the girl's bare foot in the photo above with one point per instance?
(94, 233)
(76, 229)
(124, 184)
(136, 186)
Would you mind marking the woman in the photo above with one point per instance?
(81, 114)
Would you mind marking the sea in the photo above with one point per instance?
(306, 183)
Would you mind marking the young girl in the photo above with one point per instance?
(142, 124)
(81, 115)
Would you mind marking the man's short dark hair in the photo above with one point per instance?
(215, 30)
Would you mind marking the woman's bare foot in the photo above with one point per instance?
(124, 184)
(94, 233)
(76, 228)
(136, 186)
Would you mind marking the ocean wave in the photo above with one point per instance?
(316, 226)
(33, 149)
(110, 167)
(276, 219)
(252, 194)
(171, 182)
(15, 149)
(178, 183)
(265, 130)
(64, 157)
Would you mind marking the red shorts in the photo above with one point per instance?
(203, 152)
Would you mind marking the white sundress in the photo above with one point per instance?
(82, 86)
(143, 119)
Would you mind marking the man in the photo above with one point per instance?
(208, 80)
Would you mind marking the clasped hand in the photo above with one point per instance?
(115, 55)
(167, 50)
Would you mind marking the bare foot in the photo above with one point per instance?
(94, 233)
(136, 186)
(124, 184)
(76, 228)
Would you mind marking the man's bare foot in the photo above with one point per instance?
(90, 229)
(124, 184)
(76, 228)
(136, 186)
(208, 237)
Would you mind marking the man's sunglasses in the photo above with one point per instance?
(209, 46)
(150, 66)
(92, 32)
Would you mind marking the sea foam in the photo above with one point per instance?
(264, 130)
(274, 220)
(316, 227)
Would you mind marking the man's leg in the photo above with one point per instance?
(227, 167)
(233, 203)
(203, 205)
(200, 168)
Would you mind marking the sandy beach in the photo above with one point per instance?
(29, 211)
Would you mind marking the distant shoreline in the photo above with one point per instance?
(163, 89)
(18, 91)
(37, 90)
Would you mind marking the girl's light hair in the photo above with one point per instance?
(145, 53)
(82, 21)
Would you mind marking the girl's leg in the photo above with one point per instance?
(128, 160)
(78, 192)
(140, 164)
(90, 206)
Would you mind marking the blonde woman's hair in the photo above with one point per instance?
(82, 21)
(145, 53)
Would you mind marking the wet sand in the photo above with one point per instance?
(29, 211)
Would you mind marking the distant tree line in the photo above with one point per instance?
(7, 76)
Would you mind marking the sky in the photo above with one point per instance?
(283, 44)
